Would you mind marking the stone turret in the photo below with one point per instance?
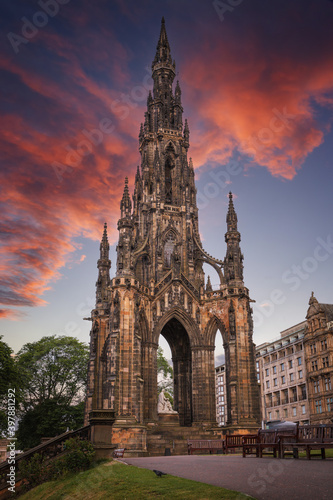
(233, 262)
(103, 265)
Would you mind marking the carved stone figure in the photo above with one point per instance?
(164, 405)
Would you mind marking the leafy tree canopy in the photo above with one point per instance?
(164, 375)
(48, 419)
(54, 368)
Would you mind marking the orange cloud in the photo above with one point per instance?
(68, 135)
(260, 106)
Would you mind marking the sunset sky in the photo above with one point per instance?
(257, 89)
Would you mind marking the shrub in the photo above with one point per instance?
(34, 470)
(79, 456)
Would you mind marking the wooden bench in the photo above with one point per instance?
(211, 445)
(118, 452)
(258, 443)
(233, 441)
(309, 438)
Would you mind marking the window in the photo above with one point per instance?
(328, 385)
(275, 381)
(267, 372)
(283, 379)
(299, 361)
(168, 248)
(290, 363)
(277, 414)
(291, 377)
(323, 344)
(329, 402)
(285, 412)
(300, 374)
(267, 384)
(316, 386)
(303, 409)
(318, 406)
(314, 366)
(325, 362)
(294, 411)
(313, 348)
(274, 369)
(258, 377)
(269, 415)
(303, 389)
(282, 367)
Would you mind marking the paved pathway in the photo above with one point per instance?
(262, 478)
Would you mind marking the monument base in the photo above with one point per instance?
(168, 418)
(101, 422)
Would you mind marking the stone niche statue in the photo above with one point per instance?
(164, 405)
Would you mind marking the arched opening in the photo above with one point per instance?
(168, 174)
(169, 246)
(220, 380)
(142, 270)
(165, 369)
(168, 180)
(176, 336)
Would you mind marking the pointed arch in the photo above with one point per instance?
(170, 148)
(186, 321)
(212, 326)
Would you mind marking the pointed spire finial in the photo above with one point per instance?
(231, 215)
(125, 204)
(163, 53)
(104, 246)
(313, 299)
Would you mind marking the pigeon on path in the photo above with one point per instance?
(159, 473)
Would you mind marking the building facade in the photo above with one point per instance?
(221, 398)
(282, 377)
(318, 345)
(159, 289)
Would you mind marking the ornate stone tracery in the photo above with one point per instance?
(159, 288)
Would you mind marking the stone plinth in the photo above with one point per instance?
(168, 418)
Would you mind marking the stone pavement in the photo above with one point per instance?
(262, 478)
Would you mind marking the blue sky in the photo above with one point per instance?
(256, 81)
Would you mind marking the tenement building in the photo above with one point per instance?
(318, 345)
(159, 288)
(282, 377)
(221, 399)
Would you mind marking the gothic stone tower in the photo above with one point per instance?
(159, 289)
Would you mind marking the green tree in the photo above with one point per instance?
(164, 375)
(54, 370)
(9, 379)
(48, 419)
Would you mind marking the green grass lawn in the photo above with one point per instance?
(328, 453)
(113, 480)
